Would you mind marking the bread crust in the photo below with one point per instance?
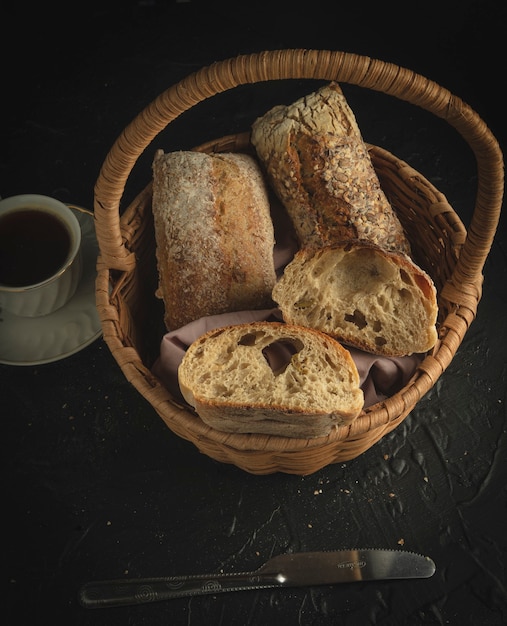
(214, 235)
(377, 300)
(226, 376)
(320, 168)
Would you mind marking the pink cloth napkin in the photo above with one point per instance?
(380, 376)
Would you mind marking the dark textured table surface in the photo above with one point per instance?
(94, 485)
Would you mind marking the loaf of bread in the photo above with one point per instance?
(272, 378)
(376, 300)
(214, 235)
(319, 166)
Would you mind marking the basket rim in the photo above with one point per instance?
(381, 415)
(461, 292)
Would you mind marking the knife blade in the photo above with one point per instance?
(300, 569)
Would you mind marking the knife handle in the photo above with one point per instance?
(110, 593)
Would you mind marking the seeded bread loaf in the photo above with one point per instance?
(272, 378)
(320, 168)
(376, 300)
(214, 235)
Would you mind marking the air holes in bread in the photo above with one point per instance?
(279, 354)
(405, 277)
(358, 318)
(250, 339)
(304, 304)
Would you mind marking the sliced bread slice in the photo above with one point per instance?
(376, 300)
(272, 378)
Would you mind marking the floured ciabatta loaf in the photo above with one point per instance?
(320, 168)
(214, 235)
(364, 296)
(272, 378)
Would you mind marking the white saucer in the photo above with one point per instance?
(37, 340)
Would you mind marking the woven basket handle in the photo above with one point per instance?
(304, 64)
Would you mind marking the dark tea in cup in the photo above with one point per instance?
(34, 245)
(40, 255)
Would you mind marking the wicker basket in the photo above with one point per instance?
(454, 258)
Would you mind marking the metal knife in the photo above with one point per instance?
(301, 569)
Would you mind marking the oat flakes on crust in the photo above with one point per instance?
(320, 168)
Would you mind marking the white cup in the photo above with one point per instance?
(40, 255)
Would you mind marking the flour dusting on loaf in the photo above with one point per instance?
(320, 168)
(214, 235)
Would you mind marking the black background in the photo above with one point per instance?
(94, 484)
